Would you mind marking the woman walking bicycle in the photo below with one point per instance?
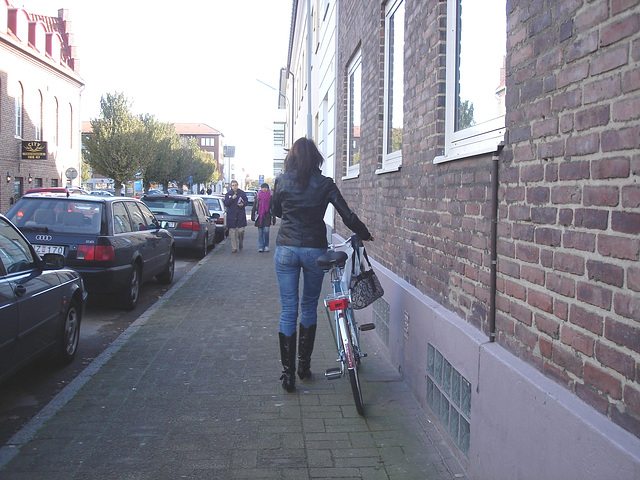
(300, 197)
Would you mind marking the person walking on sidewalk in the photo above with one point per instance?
(262, 214)
(235, 200)
(300, 197)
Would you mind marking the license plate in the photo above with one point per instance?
(168, 224)
(42, 249)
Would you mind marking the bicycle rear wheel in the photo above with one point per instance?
(352, 363)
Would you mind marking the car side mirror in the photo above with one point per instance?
(53, 261)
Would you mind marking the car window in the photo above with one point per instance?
(58, 215)
(121, 221)
(168, 206)
(200, 207)
(148, 215)
(213, 203)
(139, 222)
(15, 253)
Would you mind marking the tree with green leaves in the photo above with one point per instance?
(113, 147)
(162, 144)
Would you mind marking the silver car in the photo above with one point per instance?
(41, 304)
(215, 204)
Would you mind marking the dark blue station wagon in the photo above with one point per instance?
(115, 243)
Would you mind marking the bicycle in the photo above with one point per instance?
(344, 326)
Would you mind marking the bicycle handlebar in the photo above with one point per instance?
(353, 240)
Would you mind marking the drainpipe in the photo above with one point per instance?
(494, 242)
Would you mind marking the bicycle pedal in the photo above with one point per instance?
(366, 326)
(333, 373)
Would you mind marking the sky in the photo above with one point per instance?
(191, 61)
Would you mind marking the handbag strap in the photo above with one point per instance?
(356, 253)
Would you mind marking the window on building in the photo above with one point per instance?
(207, 142)
(39, 120)
(475, 89)
(57, 123)
(393, 86)
(70, 126)
(278, 134)
(354, 115)
(19, 104)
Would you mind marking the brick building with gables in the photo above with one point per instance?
(40, 87)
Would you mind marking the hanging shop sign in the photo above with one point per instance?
(34, 150)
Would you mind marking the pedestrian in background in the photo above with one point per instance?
(236, 200)
(300, 197)
(262, 214)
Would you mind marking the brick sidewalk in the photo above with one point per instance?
(192, 391)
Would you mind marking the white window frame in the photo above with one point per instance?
(477, 139)
(390, 161)
(355, 64)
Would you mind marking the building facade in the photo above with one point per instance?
(40, 87)
(493, 149)
(210, 140)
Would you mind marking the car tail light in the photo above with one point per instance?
(220, 221)
(96, 253)
(190, 225)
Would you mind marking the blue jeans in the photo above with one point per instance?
(288, 262)
(263, 237)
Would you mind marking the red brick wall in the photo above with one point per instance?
(569, 197)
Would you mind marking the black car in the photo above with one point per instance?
(187, 218)
(115, 243)
(41, 304)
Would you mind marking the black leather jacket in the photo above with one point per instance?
(302, 212)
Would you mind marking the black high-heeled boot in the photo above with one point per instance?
(306, 339)
(288, 358)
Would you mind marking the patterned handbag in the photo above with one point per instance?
(365, 287)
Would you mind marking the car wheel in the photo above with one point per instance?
(69, 334)
(201, 251)
(132, 292)
(166, 277)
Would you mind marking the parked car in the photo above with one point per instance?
(215, 204)
(41, 304)
(251, 196)
(66, 190)
(115, 243)
(101, 193)
(187, 218)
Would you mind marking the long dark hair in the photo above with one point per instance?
(304, 158)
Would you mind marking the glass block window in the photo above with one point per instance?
(449, 397)
(381, 316)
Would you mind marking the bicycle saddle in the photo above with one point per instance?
(327, 260)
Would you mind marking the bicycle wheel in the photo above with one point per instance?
(352, 365)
